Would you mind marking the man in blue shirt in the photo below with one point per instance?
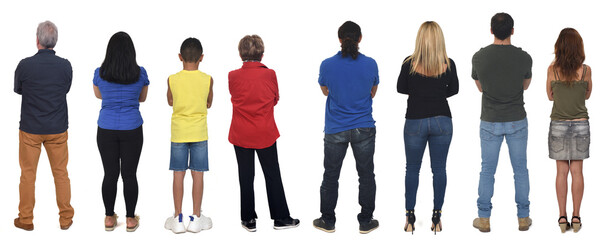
(43, 80)
(349, 80)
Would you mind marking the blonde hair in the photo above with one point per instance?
(251, 47)
(430, 51)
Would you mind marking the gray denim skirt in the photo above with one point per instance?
(569, 140)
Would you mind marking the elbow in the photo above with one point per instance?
(142, 99)
(171, 103)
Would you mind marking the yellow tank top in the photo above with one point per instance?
(189, 91)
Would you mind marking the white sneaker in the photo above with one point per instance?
(175, 224)
(199, 223)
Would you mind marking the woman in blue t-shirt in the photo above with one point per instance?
(428, 76)
(121, 84)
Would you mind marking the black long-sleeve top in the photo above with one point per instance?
(427, 95)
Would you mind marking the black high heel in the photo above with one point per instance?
(576, 225)
(435, 219)
(565, 225)
(410, 221)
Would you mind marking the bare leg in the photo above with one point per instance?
(561, 186)
(577, 185)
(197, 192)
(178, 188)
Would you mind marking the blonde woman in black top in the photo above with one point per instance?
(428, 77)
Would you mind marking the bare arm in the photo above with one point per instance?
(549, 78)
(210, 96)
(374, 91)
(590, 81)
(97, 92)
(143, 94)
(170, 99)
(479, 85)
(325, 90)
(526, 83)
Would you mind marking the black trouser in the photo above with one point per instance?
(274, 186)
(120, 150)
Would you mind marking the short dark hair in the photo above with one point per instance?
(350, 34)
(191, 50)
(502, 25)
(120, 64)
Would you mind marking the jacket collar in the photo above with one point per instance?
(253, 65)
(46, 51)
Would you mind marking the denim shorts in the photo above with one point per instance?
(569, 140)
(179, 156)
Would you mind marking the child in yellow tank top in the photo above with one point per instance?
(190, 93)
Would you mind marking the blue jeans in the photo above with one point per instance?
(363, 146)
(437, 131)
(492, 134)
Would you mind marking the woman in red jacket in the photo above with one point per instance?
(254, 92)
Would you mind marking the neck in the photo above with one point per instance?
(506, 41)
(190, 66)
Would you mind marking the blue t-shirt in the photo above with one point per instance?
(120, 102)
(349, 104)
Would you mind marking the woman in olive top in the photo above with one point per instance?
(121, 84)
(568, 85)
(428, 76)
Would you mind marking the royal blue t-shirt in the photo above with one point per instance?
(349, 103)
(120, 102)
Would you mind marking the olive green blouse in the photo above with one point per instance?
(569, 100)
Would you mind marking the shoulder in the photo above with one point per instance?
(523, 53)
(452, 64)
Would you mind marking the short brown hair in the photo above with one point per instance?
(251, 47)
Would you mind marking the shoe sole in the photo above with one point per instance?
(482, 229)
(249, 229)
(368, 231)
(324, 230)
(285, 227)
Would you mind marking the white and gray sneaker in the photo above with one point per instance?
(199, 223)
(175, 224)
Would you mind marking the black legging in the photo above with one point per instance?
(120, 149)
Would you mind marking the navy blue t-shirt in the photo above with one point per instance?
(349, 102)
(43, 80)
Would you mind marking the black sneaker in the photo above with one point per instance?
(320, 224)
(285, 223)
(249, 225)
(369, 226)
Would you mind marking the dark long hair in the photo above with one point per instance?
(569, 54)
(349, 34)
(120, 64)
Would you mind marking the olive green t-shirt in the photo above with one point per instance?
(501, 70)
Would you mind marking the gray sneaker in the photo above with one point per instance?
(320, 224)
(369, 226)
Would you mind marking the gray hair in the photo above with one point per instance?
(47, 34)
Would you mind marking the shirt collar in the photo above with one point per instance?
(46, 51)
(253, 64)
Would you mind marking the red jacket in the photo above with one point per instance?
(254, 93)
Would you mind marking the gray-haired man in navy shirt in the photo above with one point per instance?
(43, 80)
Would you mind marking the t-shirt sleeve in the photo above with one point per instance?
(453, 84)
(96, 79)
(322, 81)
(473, 67)
(403, 77)
(144, 77)
(376, 73)
(528, 74)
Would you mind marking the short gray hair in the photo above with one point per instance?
(47, 34)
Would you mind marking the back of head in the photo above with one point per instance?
(191, 50)
(120, 64)
(502, 25)
(569, 54)
(349, 33)
(47, 34)
(251, 48)
(430, 50)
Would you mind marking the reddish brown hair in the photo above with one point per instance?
(569, 54)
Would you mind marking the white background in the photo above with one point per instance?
(297, 36)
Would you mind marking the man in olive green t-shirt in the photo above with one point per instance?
(502, 72)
